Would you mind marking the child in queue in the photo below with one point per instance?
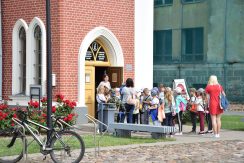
(101, 99)
(169, 105)
(180, 107)
(137, 107)
(192, 107)
(144, 115)
(200, 109)
(153, 109)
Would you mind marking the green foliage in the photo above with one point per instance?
(64, 108)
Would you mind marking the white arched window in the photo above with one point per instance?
(36, 55)
(19, 58)
(37, 64)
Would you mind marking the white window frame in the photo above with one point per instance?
(30, 71)
(15, 55)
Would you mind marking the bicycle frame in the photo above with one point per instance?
(35, 136)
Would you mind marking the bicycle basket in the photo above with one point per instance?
(21, 114)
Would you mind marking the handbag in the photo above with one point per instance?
(223, 102)
(161, 114)
(193, 108)
(131, 100)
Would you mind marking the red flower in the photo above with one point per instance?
(3, 106)
(70, 117)
(59, 97)
(34, 104)
(67, 102)
(14, 115)
(73, 103)
(4, 115)
(12, 124)
(70, 104)
(65, 119)
(53, 109)
(44, 115)
(44, 99)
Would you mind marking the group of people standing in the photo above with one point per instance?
(165, 106)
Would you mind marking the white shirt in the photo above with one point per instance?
(100, 98)
(127, 92)
(106, 84)
(199, 103)
(193, 98)
(154, 103)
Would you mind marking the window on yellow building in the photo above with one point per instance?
(162, 47)
(162, 2)
(192, 45)
(191, 1)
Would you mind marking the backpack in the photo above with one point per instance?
(182, 106)
(223, 102)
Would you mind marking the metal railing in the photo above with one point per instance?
(95, 141)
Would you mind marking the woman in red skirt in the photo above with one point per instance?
(213, 89)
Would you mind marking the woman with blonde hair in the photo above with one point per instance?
(169, 104)
(213, 89)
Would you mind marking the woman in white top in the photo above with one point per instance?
(128, 92)
(105, 82)
(101, 99)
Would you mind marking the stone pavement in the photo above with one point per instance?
(187, 148)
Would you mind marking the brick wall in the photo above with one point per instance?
(71, 21)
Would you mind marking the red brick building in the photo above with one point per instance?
(76, 26)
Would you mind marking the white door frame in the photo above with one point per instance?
(114, 51)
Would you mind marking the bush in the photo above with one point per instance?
(6, 115)
(64, 108)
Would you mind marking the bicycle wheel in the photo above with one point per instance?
(11, 151)
(68, 147)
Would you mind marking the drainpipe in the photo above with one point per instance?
(181, 26)
(225, 48)
(1, 52)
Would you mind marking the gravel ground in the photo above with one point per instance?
(217, 151)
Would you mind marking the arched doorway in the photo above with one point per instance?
(107, 57)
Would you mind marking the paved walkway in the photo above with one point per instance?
(187, 148)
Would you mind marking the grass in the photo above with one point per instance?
(233, 122)
(229, 122)
(107, 140)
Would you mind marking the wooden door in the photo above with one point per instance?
(115, 76)
(90, 89)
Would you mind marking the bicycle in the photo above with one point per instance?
(63, 145)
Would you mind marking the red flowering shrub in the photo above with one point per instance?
(59, 98)
(6, 115)
(63, 108)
